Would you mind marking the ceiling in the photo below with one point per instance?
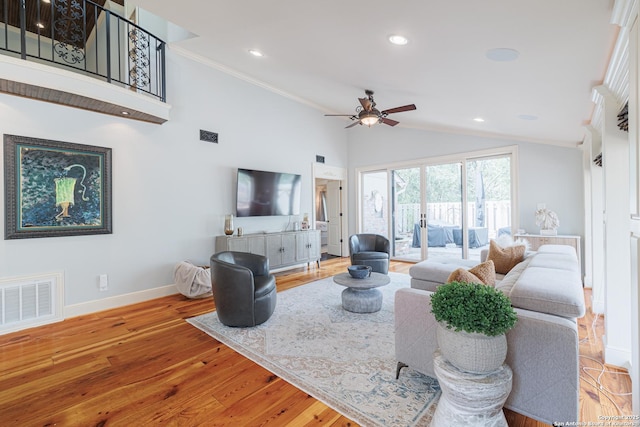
(326, 53)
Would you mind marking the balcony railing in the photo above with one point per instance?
(85, 37)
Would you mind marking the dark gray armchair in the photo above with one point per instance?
(243, 290)
(372, 250)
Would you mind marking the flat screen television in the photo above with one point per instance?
(262, 193)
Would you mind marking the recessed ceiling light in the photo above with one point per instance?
(46, 1)
(502, 54)
(527, 117)
(478, 119)
(256, 52)
(40, 25)
(125, 113)
(398, 40)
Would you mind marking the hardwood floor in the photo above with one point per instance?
(144, 365)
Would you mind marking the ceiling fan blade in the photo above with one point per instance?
(366, 103)
(388, 121)
(400, 109)
(352, 124)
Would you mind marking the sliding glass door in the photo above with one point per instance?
(374, 208)
(444, 211)
(488, 200)
(406, 209)
(440, 208)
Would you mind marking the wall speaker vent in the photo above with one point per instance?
(30, 301)
(208, 136)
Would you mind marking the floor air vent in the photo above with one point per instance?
(30, 301)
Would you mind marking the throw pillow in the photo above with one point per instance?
(486, 272)
(462, 275)
(505, 259)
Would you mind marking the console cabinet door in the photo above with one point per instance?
(237, 244)
(302, 247)
(274, 250)
(308, 246)
(289, 248)
(314, 245)
(229, 243)
(251, 244)
(256, 245)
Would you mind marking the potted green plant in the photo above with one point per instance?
(472, 322)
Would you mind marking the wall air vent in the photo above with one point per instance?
(31, 301)
(208, 136)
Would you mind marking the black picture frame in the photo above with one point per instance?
(55, 189)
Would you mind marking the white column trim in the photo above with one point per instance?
(624, 12)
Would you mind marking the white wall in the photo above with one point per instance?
(170, 190)
(547, 174)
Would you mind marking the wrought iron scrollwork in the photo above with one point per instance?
(69, 31)
(139, 59)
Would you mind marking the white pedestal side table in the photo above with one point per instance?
(470, 399)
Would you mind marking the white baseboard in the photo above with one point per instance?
(597, 305)
(616, 356)
(118, 301)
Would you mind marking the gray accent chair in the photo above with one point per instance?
(373, 250)
(243, 290)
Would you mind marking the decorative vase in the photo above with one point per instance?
(472, 352)
(228, 225)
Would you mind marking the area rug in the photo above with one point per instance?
(343, 359)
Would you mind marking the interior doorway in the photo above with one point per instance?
(330, 209)
(328, 216)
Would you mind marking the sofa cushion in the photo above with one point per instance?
(486, 272)
(557, 249)
(505, 258)
(549, 290)
(509, 280)
(436, 271)
(559, 261)
(463, 275)
(483, 274)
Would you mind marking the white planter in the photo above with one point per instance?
(472, 352)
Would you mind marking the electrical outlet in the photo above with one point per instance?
(104, 282)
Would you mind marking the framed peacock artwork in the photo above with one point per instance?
(55, 188)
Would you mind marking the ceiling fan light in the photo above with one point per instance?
(369, 120)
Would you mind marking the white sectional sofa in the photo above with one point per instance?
(546, 291)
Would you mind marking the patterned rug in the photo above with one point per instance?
(343, 359)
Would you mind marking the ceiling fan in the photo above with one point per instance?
(368, 115)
